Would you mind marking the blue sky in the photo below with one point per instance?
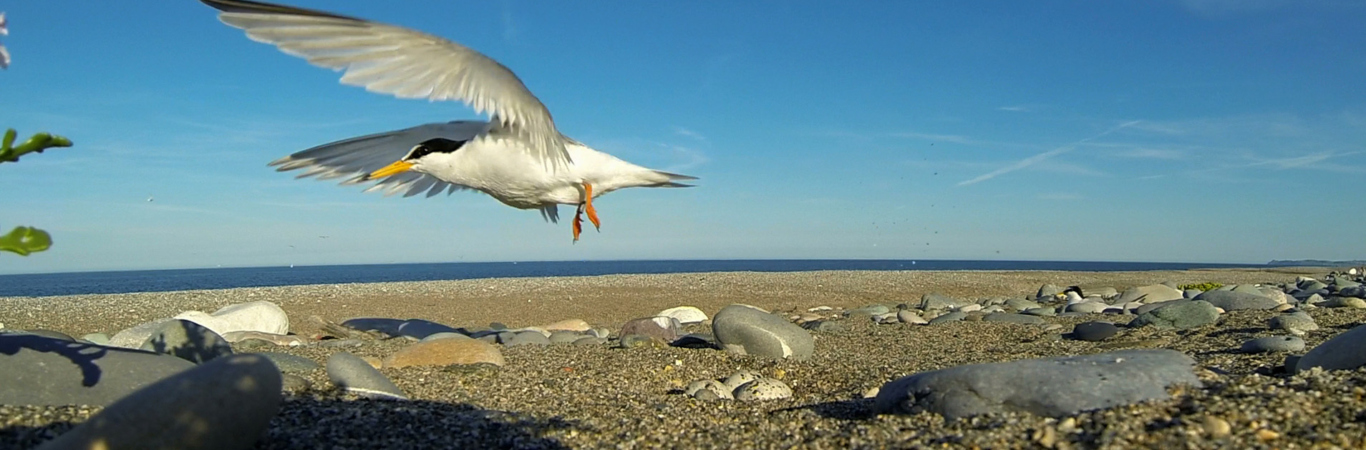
(1182, 130)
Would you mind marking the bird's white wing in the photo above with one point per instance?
(405, 63)
(356, 157)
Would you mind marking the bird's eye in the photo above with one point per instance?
(419, 152)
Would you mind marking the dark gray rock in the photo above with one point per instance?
(1013, 318)
(695, 340)
(1273, 344)
(1237, 300)
(1183, 314)
(1094, 331)
(746, 330)
(225, 404)
(1297, 323)
(1346, 351)
(1051, 387)
(289, 363)
(357, 376)
(188, 341)
(37, 370)
(1356, 291)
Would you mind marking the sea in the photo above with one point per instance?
(117, 282)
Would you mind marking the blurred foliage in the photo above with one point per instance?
(25, 240)
(1202, 287)
(37, 143)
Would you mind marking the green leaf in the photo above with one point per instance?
(25, 240)
(35, 144)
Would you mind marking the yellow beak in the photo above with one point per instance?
(393, 169)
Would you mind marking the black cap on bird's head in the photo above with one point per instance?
(427, 147)
(434, 145)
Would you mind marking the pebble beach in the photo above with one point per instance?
(615, 394)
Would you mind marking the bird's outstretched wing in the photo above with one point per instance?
(405, 63)
(356, 157)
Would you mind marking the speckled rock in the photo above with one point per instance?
(763, 389)
(523, 338)
(225, 404)
(746, 330)
(1049, 387)
(564, 336)
(445, 352)
(739, 378)
(716, 388)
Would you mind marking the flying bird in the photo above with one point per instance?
(517, 156)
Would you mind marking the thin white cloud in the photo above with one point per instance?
(690, 133)
(1151, 153)
(934, 137)
(1042, 156)
(1015, 108)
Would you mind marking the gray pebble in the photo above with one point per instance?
(1273, 344)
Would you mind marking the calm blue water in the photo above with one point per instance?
(187, 279)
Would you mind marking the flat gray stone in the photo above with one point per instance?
(956, 316)
(1048, 290)
(746, 330)
(526, 338)
(187, 340)
(1094, 331)
(225, 404)
(1273, 344)
(1051, 387)
(1020, 304)
(1150, 294)
(1013, 318)
(870, 310)
(135, 336)
(664, 328)
(564, 336)
(355, 375)
(409, 328)
(1041, 311)
(38, 370)
(1181, 315)
(1346, 351)
(939, 301)
(1237, 300)
(289, 363)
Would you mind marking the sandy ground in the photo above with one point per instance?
(604, 397)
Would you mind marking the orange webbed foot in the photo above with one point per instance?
(588, 206)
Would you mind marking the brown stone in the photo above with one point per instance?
(569, 325)
(445, 352)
